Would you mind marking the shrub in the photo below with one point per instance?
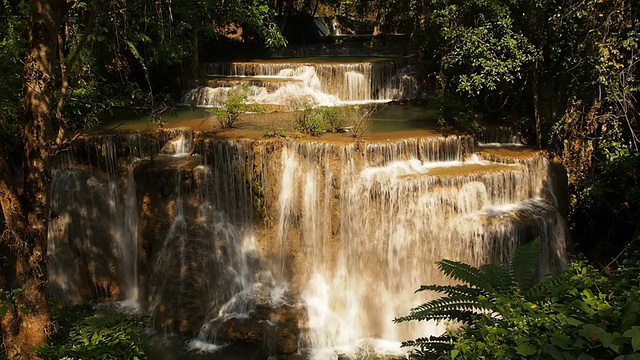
(79, 333)
(581, 313)
(308, 119)
(335, 117)
(360, 119)
(236, 104)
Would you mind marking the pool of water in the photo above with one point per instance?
(386, 118)
(398, 117)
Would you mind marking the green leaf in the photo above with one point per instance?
(553, 351)
(596, 333)
(562, 341)
(525, 349)
(634, 334)
(525, 263)
(630, 314)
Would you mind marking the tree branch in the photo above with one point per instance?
(67, 67)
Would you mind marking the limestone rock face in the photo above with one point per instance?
(275, 327)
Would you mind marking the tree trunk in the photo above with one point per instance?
(28, 212)
(195, 56)
(536, 104)
(287, 13)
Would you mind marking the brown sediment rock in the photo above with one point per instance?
(276, 327)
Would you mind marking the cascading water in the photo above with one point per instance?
(129, 240)
(400, 208)
(375, 79)
(288, 243)
(79, 200)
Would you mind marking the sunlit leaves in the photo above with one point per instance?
(481, 44)
(582, 313)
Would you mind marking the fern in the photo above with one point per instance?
(477, 295)
(451, 311)
(553, 285)
(430, 344)
(460, 290)
(525, 264)
(499, 279)
(465, 273)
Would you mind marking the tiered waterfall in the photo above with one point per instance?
(317, 245)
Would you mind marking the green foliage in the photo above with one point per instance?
(456, 110)
(236, 104)
(580, 313)
(274, 133)
(82, 334)
(308, 118)
(334, 117)
(9, 301)
(309, 124)
(477, 43)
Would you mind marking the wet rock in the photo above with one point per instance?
(276, 327)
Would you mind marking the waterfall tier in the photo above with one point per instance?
(306, 243)
(323, 81)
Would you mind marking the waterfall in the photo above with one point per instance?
(289, 243)
(96, 219)
(275, 82)
(401, 208)
(129, 239)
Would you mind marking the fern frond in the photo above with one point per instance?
(456, 316)
(446, 303)
(426, 348)
(525, 263)
(498, 278)
(453, 290)
(551, 286)
(465, 273)
(444, 339)
(446, 308)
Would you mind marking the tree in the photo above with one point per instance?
(26, 214)
(564, 72)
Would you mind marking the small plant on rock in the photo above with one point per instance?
(275, 126)
(236, 104)
(274, 133)
(335, 117)
(360, 119)
(308, 119)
